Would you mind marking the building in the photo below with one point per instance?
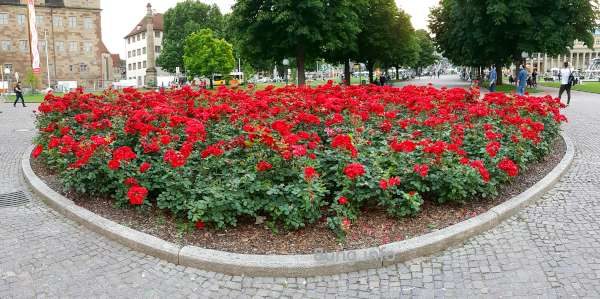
(579, 57)
(136, 44)
(72, 31)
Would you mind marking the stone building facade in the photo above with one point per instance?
(579, 57)
(136, 44)
(71, 29)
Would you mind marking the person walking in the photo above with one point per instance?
(566, 81)
(19, 93)
(534, 76)
(522, 80)
(382, 80)
(493, 78)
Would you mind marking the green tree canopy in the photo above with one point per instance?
(205, 55)
(384, 29)
(405, 51)
(182, 20)
(278, 29)
(426, 55)
(478, 33)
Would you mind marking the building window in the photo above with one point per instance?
(88, 23)
(157, 49)
(5, 45)
(39, 20)
(60, 46)
(134, 66)
(72, 22)
(128, 54)
(138, 37)
(8, 66)
(139, 64)
(129, 66)
(21, 20)
(83, 67)
(73, 47)
(87, 47)
(143, 35)
(144, 64)
(23, 46)
(144, 50)
(139, 52)
(3, 19)
(57, 21)
(42, 45)
(157, 34)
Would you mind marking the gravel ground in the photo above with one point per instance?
(373, 227)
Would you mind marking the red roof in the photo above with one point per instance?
(157, 21)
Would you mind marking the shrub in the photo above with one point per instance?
(294, 155)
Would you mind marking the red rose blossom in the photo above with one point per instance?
(310, 173)
(354, 170)
(37, 151)
(137, 194)
(263, 166)
(145, 167)
(342, 200)
(509, 167)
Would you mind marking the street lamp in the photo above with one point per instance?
(286, 63)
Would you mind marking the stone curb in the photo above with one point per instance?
(304, 265)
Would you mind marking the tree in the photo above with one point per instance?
(206, 55)
(426, 55)
(377, 39)
(274, 30)
(479, 33)
(405, 51)
(182, 20)
(32, 80)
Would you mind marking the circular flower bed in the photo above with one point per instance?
(293, 155)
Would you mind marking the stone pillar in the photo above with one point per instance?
(545, 63)
(151, 74)
(571, 58)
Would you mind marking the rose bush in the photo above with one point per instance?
(294, 155)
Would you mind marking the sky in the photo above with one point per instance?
(119, 17)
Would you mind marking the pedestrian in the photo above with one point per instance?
(493, 78)
(566, 81)
(19, 93)
(534, 76)
(382, 79)
(522, 80)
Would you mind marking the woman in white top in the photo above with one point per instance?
(565, 83)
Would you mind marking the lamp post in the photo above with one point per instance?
(286, 63)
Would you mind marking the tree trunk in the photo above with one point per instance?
(300, 57)
(347, 79)
(397, 73)
(499, 74)
(211, 83)
(370, 69)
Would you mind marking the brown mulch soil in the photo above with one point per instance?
(373, 227)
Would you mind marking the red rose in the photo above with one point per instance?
(354, 170)
(310, 173)
(394, 181)
(346, 224)
(492, 148)
(422, 169)
(342, 200)
(200, 225)
(137, 194)
(114, 164)
(145, 167)
(509, 167)
(37, 151)
(263, 166)
(383, 184)
(131, 182)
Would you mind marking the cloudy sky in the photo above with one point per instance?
(120, 16)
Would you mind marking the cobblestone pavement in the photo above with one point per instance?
(550, 249)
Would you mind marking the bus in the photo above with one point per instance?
(236, 79)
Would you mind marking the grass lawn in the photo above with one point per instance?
(592, 87)
(508, 88)
(30, 98)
